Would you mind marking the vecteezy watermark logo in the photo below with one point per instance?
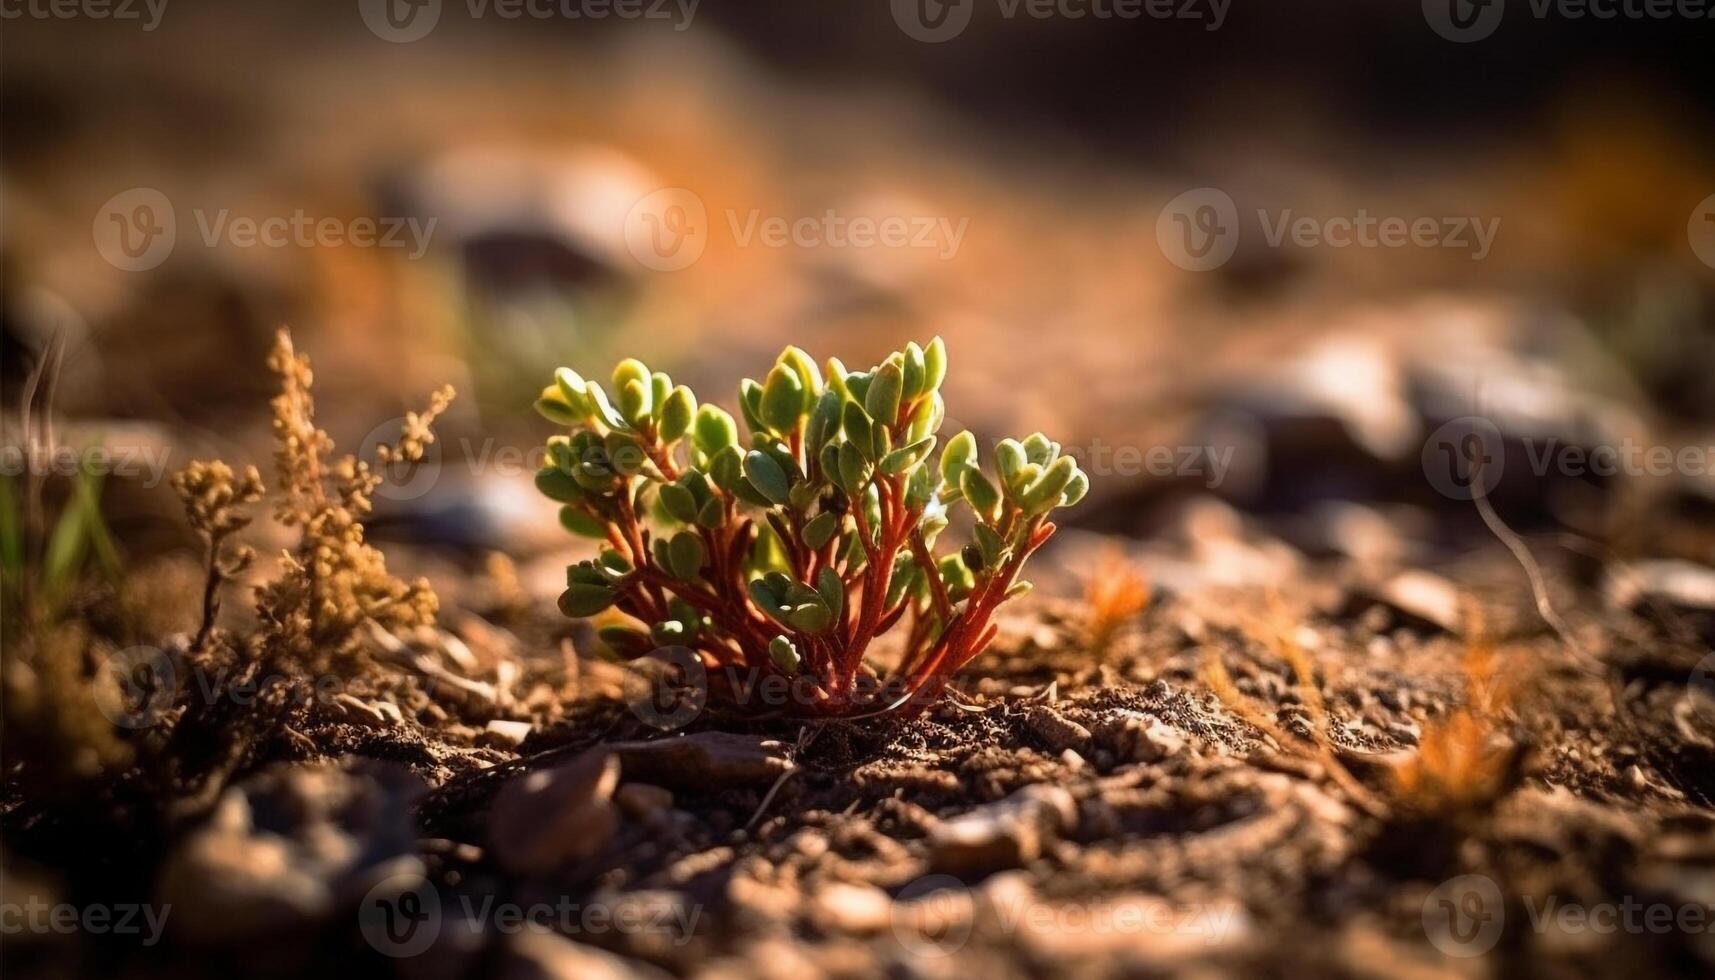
(402, 479)
(932, 917)
(1464, 21)
(1701, 230)
(147, 11)
(135, 229)
(400, 21)
(135, 686)
(668, 687)
(933, 21)
(1463, 455)
(1199, 229)
(146, 464)
(667, 230)
(403, 21)
(401, 915)
(33, 915)
(1464, 916)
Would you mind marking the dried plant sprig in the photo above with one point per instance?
(788, 552)
(334, 580)
(214, 499)
(1115, 591)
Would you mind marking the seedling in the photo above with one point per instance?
(788, 551)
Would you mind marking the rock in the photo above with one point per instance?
(537, 955)
(1004, 834)
(548, 818)
(511, 732)
(1059, 732)
(639, 800)
(1139, 737)
(286, 847)
(1678, 594)
(1424, 600)
(706, 761)
(856, 910)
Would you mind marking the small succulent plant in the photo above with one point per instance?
(789, 549)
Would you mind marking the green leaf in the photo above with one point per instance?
(782, 400)
(1009, 460)
(926, 418)
(837, 377)
(882, 401)
(983, 497)
(574, 390)
(960, 453)
(629, 370)
(711, 514)
(552, 405)
(957, 577)
(920, 488)
(602, 409)
(766, 476)
(905, 576)
(587, 573)
(809, 379)
(726, 469)
(634, 402)
(579, 522)
(686, 554)
(810, 617)
(1045, 492)
(784, 654)
(993, 548)
(750, 404)
(854, 470)
(557, 485)
(824, 423)
(858, 425)
(913, 373)
(661, 550)
(625, 455)
(934, 364)
(1041, 450)
(820, 529)
(831, 589)
(766, 599)
(677, 414)
(679, 501)
(1075, 490)
(580, 601)
(714, 430)
(905, 457)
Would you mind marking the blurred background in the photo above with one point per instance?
(476, 191)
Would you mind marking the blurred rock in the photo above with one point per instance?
(533, 954)
(286, 847)
(1417, 599)
(1680, 595)
(705, 761)
(549, 818)
(1005, 834)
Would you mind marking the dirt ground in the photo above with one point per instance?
(1067, 811)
